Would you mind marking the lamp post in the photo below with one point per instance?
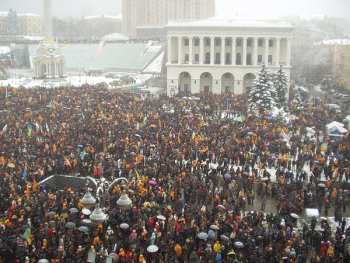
(103, 187)
(88, 199)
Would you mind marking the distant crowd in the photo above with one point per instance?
(207, 182)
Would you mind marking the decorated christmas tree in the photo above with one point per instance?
(261, 94)
(280, 82)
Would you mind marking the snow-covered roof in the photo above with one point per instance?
(4, 50)
(239, 23)
(19, 14)
(331, 42)
(28, 14)
(103, 16)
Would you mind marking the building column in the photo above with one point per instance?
(190, 59)
(212, 50)
(288, 52)
(179, 57)
(266, 60)
(244, 57)
(278, 50)
(223, 53)
(169, 50)
(255, 51)
(233, 54)
(201, 53)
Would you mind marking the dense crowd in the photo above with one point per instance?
(207, 182)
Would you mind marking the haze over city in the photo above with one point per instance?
(225, 8)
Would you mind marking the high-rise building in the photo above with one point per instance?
(140, 13)
(47, 26)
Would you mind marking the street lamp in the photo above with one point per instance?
(124, 201)
(98, 216)
(88, 199)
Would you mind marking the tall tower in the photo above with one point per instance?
(47, 18)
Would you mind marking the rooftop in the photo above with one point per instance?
(103, 16)
(236, 22)
(331, 42)
(2, 13)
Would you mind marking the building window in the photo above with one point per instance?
(217, 42)
(187, 58)
(228, 42)
(270, 43)
(239, 42)
(228, 59)
(238, 59)
(196, 58)
(207, 42)
(259, 59)
(249, 59)
(186, 42)
(207, 58)
(196, 42)
(217, 58)
(270, 59)
(260, 42)
(249, 42)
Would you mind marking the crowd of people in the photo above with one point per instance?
(207, 182)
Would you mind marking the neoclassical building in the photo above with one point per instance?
(49, 61)
(219, 56)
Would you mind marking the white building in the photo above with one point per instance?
(224, 55)
(49, 61)
(155, 13)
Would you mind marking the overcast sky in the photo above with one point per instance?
(225, 8)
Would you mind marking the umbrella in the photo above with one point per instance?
(86, 211)
(211, 234)
(231, 253)
(161, 217)
(224, 238)
(202, 235)
(152, 182)
(152, 249)
(227, 176)
(214, 227)
(73, 210)
(70, 225)
(51, 214)
(11, 165)
(43, 260)
(221, 207)
(86, 221)
(295, 216)
(124, 226)
(238, 244)
(321, 185)
(83, 229)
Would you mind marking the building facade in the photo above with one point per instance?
(341, 62)
(29, 25)
(14, 24)
(48, 62)
(140, 13)
(216, 56)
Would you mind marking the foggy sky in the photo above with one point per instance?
(225, 8)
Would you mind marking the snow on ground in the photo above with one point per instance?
(75, 81)
(334, 42)
(4, 50)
